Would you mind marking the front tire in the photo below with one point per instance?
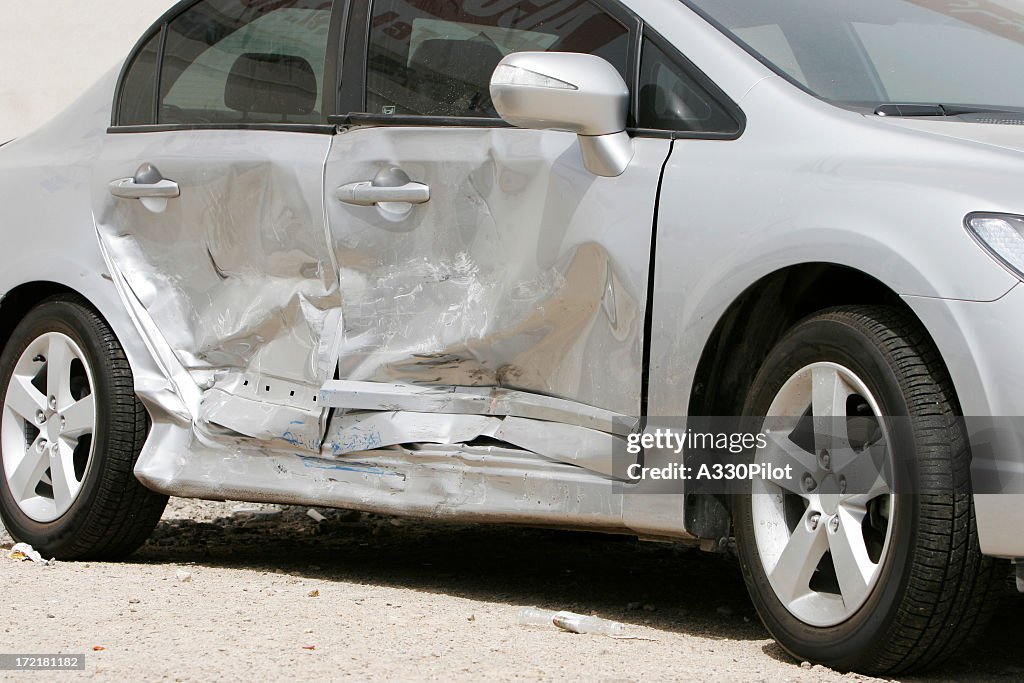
(856, 571)
(71, 429)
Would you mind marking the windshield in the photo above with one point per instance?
(956, 53)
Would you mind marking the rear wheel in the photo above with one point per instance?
(858, 561)
(71, 429)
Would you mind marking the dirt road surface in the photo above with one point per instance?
(221, 594)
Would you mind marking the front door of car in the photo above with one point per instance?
(208, 198)
(507, 264)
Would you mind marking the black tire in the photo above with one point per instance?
(113, 513)
(935, 590)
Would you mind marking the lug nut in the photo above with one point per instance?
(63, 422)
(40, 417)
(842, 484)
(833, 524)
(55, 450)
(53, 403)
(41, 445)
(814, 519)
(826, 460)
(808, 483)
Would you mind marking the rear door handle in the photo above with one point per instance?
(391, 185)
(148, 182)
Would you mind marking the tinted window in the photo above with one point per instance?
(239, 61)
(138, 94)
(671, 99)
(436, 58)
(872, 52)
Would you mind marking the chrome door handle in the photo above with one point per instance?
(147, 183)
(391, 185)
(127, 188)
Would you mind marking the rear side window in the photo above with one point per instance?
(670, 98)
(138, 93)
(231, 62)
(238, 61)
(433, 58)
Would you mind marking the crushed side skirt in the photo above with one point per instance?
(471, 401)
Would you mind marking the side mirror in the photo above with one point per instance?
(579, 93)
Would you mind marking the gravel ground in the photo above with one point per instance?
(219, 594)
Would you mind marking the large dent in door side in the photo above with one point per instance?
(238, 274)
(234, 279)
(523, 271)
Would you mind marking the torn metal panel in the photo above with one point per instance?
(470, 401)
(260, 420)
(373, 430)
(586, 448)
(523, 270)
(235, 276)
(367, 431)
(457, 483)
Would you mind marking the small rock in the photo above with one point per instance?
(805, 665)
(471, 617)
(183, 576)
(50, 616)
(315, 593)
(134, 601)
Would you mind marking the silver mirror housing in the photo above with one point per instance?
(572, 92)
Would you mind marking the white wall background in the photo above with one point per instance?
(52, 50)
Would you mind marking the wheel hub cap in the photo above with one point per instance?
(47, 426)
(823, 536)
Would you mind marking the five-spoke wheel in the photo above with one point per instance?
(71, 429)
(866, 556)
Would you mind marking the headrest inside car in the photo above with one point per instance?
(271, 84)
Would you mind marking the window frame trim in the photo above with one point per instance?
(335, 34)
(353, 88)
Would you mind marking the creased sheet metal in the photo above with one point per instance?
(523, 271)
(587, 448)
(236, 274)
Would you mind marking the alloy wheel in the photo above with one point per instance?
(823, 533)
(47, 427)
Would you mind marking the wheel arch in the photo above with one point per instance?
(746, 332)
(755, 321)
(16, 303)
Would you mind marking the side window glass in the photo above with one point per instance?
(671, 99)
(239, 61)
(138, 93)
(436, 58)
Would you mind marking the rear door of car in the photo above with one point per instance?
(208, 198)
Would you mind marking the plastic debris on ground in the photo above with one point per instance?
(25, 552)
(570, 621)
